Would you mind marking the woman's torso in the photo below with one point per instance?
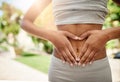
(79, 16)
(78, 29)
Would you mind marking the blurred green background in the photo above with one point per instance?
(31, 50)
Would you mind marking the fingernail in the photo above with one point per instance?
(83, 65)
(80, 38)
(90, 63)
(79, 64)
(63, 61)
(77, 38)
(75, 63)
(77, 59)
(71, 64)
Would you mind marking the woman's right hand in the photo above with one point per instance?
(63, 45)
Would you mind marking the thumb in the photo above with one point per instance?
(72, 36)
(85, 35)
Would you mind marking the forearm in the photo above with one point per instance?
(34, 30)
(113, 33)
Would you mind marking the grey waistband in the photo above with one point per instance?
(99, 71)
(96, 62)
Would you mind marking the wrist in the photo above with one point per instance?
(50, 35)
(107, 34)
(45, 34)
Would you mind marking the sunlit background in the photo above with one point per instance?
(24, 57)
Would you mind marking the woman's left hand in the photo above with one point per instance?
(96, 40)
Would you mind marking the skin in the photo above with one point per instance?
(99, 39)
(77, 43)
(61, 43)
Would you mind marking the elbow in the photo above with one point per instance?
(22, 24)
(26, 23)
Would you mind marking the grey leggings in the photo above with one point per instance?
(99, 71)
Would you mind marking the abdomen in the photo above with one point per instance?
(79, 29)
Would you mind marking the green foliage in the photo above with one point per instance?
(28, 54)
(10, 19)
(3, 48)
(112, 20)
(39, 62)
(110, 44)
(48, 47)
(36, 40)
(113, 7)
(113, 17)
(9, 23)
(2, 38)
(12, 28)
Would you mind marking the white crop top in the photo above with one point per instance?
(79, 11)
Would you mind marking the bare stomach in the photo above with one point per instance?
(78, 29)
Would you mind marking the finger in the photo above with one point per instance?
(85, 35)
(72, 51)
(92, 60)
(66, 58)
(72, 36)
(85, 56)
(61, 56)
(90, 57)
(84, 49)
(72, 59)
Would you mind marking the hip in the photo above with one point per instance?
(100, 55)
(99, 71)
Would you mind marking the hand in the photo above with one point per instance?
(63, 45)
(96, 40)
